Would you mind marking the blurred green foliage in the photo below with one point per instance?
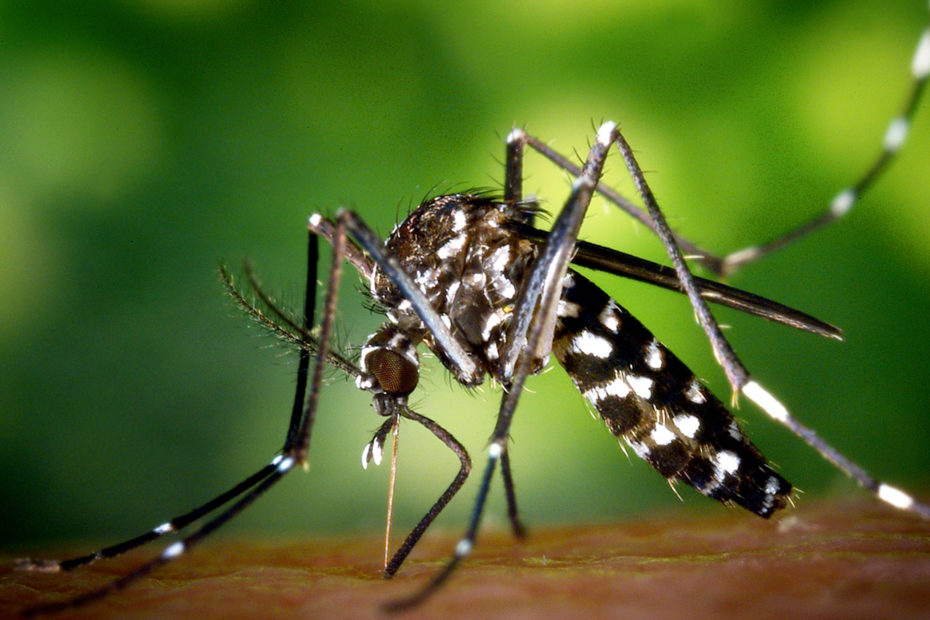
(142, 142)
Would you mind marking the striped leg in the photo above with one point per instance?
(894, 138)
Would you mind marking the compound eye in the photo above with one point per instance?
(395, 373)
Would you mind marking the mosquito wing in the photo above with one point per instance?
(628, 266)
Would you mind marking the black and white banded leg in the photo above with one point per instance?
(894, 138)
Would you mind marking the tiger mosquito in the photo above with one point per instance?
(469, 276)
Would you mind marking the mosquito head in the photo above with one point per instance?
(390, 368)
(395, 373)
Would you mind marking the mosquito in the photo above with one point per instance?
(470, 277)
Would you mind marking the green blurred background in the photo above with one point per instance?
(144, 142)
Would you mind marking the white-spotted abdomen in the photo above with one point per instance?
(649, 398)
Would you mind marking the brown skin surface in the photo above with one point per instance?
(817, 561)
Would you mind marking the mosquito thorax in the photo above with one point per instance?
(463, 253)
